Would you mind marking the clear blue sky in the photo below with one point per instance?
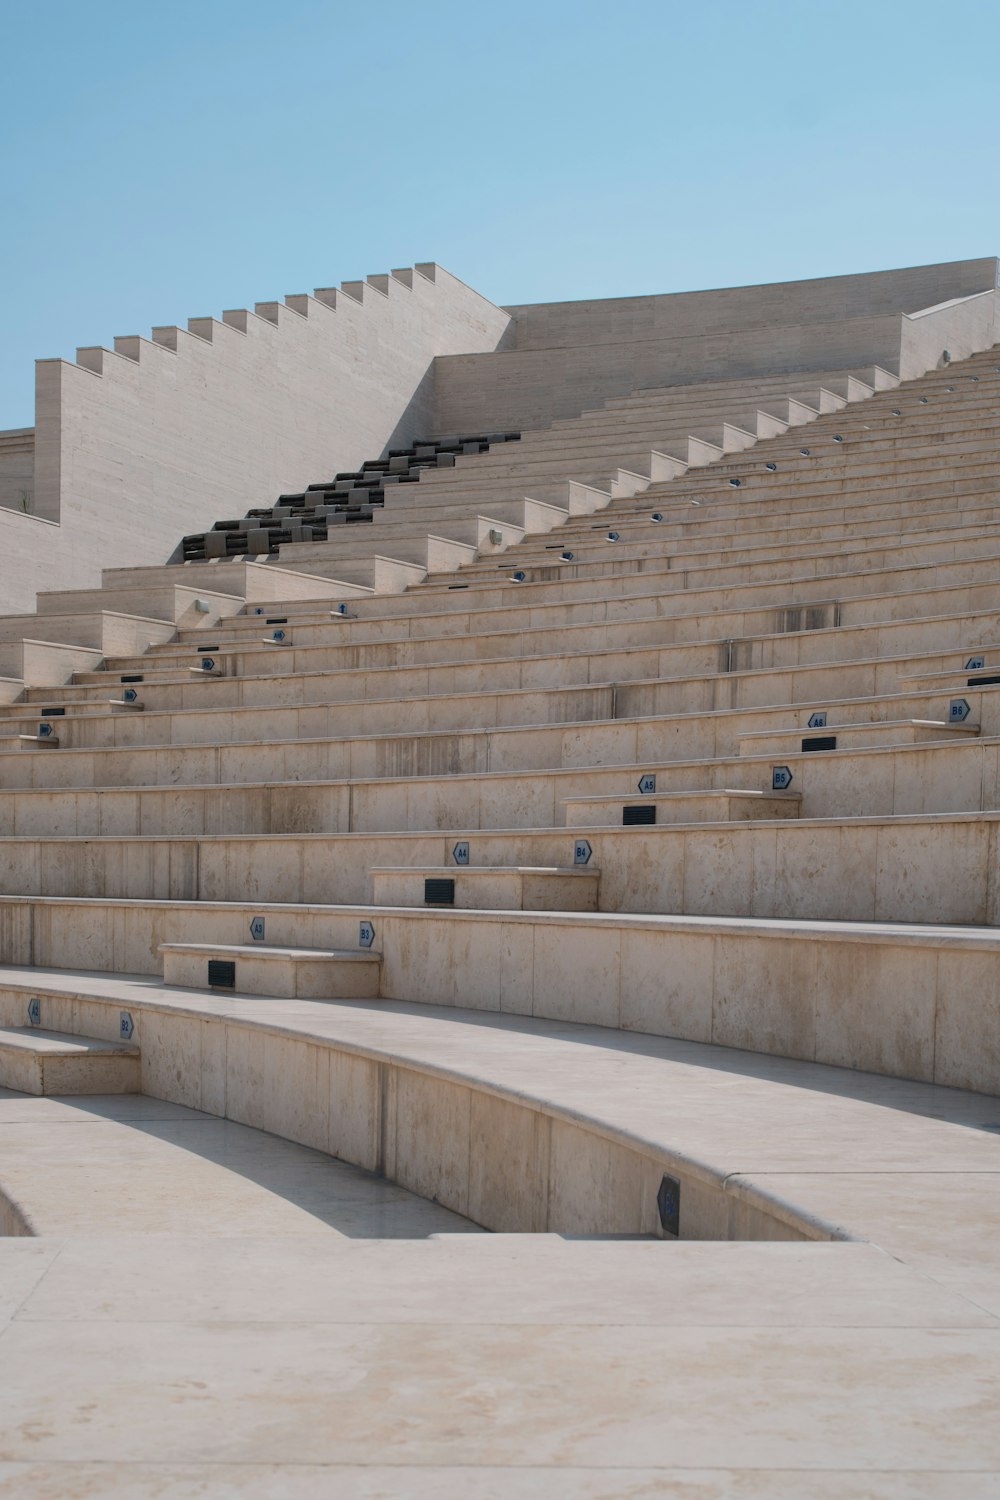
(160, 162)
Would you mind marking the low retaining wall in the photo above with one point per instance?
(907, 1002)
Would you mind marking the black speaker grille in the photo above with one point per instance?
(439, 893)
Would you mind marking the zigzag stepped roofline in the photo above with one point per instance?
(138, 444)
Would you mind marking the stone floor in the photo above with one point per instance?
(213, 1312)
(311, 1364)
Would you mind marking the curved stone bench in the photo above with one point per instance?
(526, 1126)
(900, 999)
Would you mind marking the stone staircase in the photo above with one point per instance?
(759, 686)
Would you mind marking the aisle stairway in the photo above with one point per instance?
(477, 495)
(761, 685)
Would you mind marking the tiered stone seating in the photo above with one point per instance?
(344, 500)
(600, 842)
(573, 467)
(759, 689)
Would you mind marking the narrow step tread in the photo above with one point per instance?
(34, 1039)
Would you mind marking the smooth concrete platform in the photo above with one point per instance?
(288, 1359)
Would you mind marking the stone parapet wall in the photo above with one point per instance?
(135, 446)
(559, 359)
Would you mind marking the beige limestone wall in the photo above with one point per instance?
(528, 389)
(901, 1000)
(730, 309)
(17, 469)
(961, 328)
(136, 446)
(559, 359)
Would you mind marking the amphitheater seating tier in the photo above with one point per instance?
(599, 845)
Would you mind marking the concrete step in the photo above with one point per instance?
(45, 737)
(763, 607)
(258, 582)
(722, 548)
(853, 736)
(43, 663)
(695, 806)
(459, 696)
(899, 781)
(106, 631)
(493, 888)
(253, 969)
(351, 708)
(387, 564)
(632, 650)
(826, 457)
(957, 774)
(181, 605)
(915, 868)
(593, 554)
(34, 1061)
(412, 603)
(824, 453)
(54, 706)
(598, 556)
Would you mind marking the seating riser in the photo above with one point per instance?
(862, 598)
(863, 872)
(377, 691)
(592, 555)
(884, 776)
(861, 460)
(846, 999)
(706, 692)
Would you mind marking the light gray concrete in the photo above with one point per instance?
(559, 358)
(274, 1359)
(138, 444)
(783, 995)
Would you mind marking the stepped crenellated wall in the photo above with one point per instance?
(138, 444)
(560, 358)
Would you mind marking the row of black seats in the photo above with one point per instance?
(341, 501)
